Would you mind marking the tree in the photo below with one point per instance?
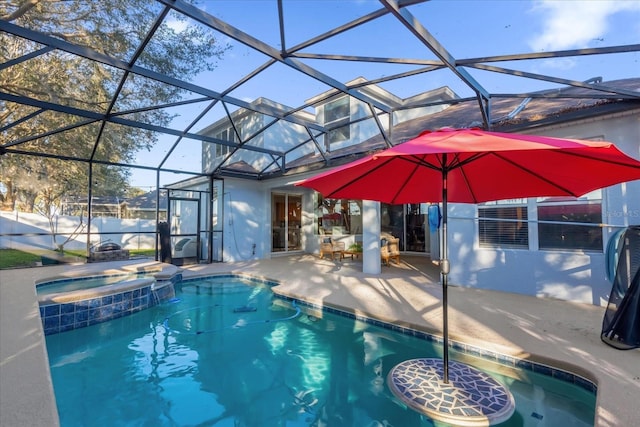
(115, 28)
(134, 192)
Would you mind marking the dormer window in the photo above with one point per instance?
(336, 118)
(226, 135)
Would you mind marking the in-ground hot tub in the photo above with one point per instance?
(72, 303)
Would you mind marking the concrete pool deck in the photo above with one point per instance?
(563, 334)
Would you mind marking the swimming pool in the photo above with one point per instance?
(226, 352)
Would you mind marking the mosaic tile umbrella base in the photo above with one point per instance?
(471, 398)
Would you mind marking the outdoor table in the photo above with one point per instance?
(352, 253)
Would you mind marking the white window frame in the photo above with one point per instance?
(593, 230)
(536, 225)
(340, 130)
(523, 231)
(226, 135)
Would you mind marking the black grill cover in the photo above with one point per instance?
(621, 324)
(164, 233)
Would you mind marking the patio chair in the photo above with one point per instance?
(328, 246)
(390, 249)
(186, 248)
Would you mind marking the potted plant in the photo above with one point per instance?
(355, 247)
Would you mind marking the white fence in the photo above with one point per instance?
(19, 230)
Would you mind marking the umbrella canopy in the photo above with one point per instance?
(473, 166)
(480, 166)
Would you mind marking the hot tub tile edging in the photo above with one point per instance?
(66, 316)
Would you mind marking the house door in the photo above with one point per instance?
(417, 228)
(286, 216)
(409, 223)
(184, 220)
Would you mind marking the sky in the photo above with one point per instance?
(467, 28)
(571, 24)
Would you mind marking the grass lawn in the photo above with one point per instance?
(13, 258)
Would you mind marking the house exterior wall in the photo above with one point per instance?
(361, 131)
(247, 218)
(282, 134)
(246, 215)
(247, 123)
(576, 275)
(286, 136)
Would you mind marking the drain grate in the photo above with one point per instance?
(537, 416)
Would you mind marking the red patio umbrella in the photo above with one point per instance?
(474, 166)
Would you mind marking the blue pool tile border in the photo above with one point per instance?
(249, 278)
(502, 359)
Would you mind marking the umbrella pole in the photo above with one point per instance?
(444, 269)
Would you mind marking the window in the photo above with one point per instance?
(504, 224)
(336, 117)
(338, 135)
(570, 223)
(339, 216)
(226, 135)
(337, 110)
(562, 223)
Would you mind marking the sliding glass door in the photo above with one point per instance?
(286, 216)
(409, 223)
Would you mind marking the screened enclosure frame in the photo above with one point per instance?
(290, 56)
(433, 56)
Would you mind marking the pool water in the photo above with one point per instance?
(76, 284)
(226, 352)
